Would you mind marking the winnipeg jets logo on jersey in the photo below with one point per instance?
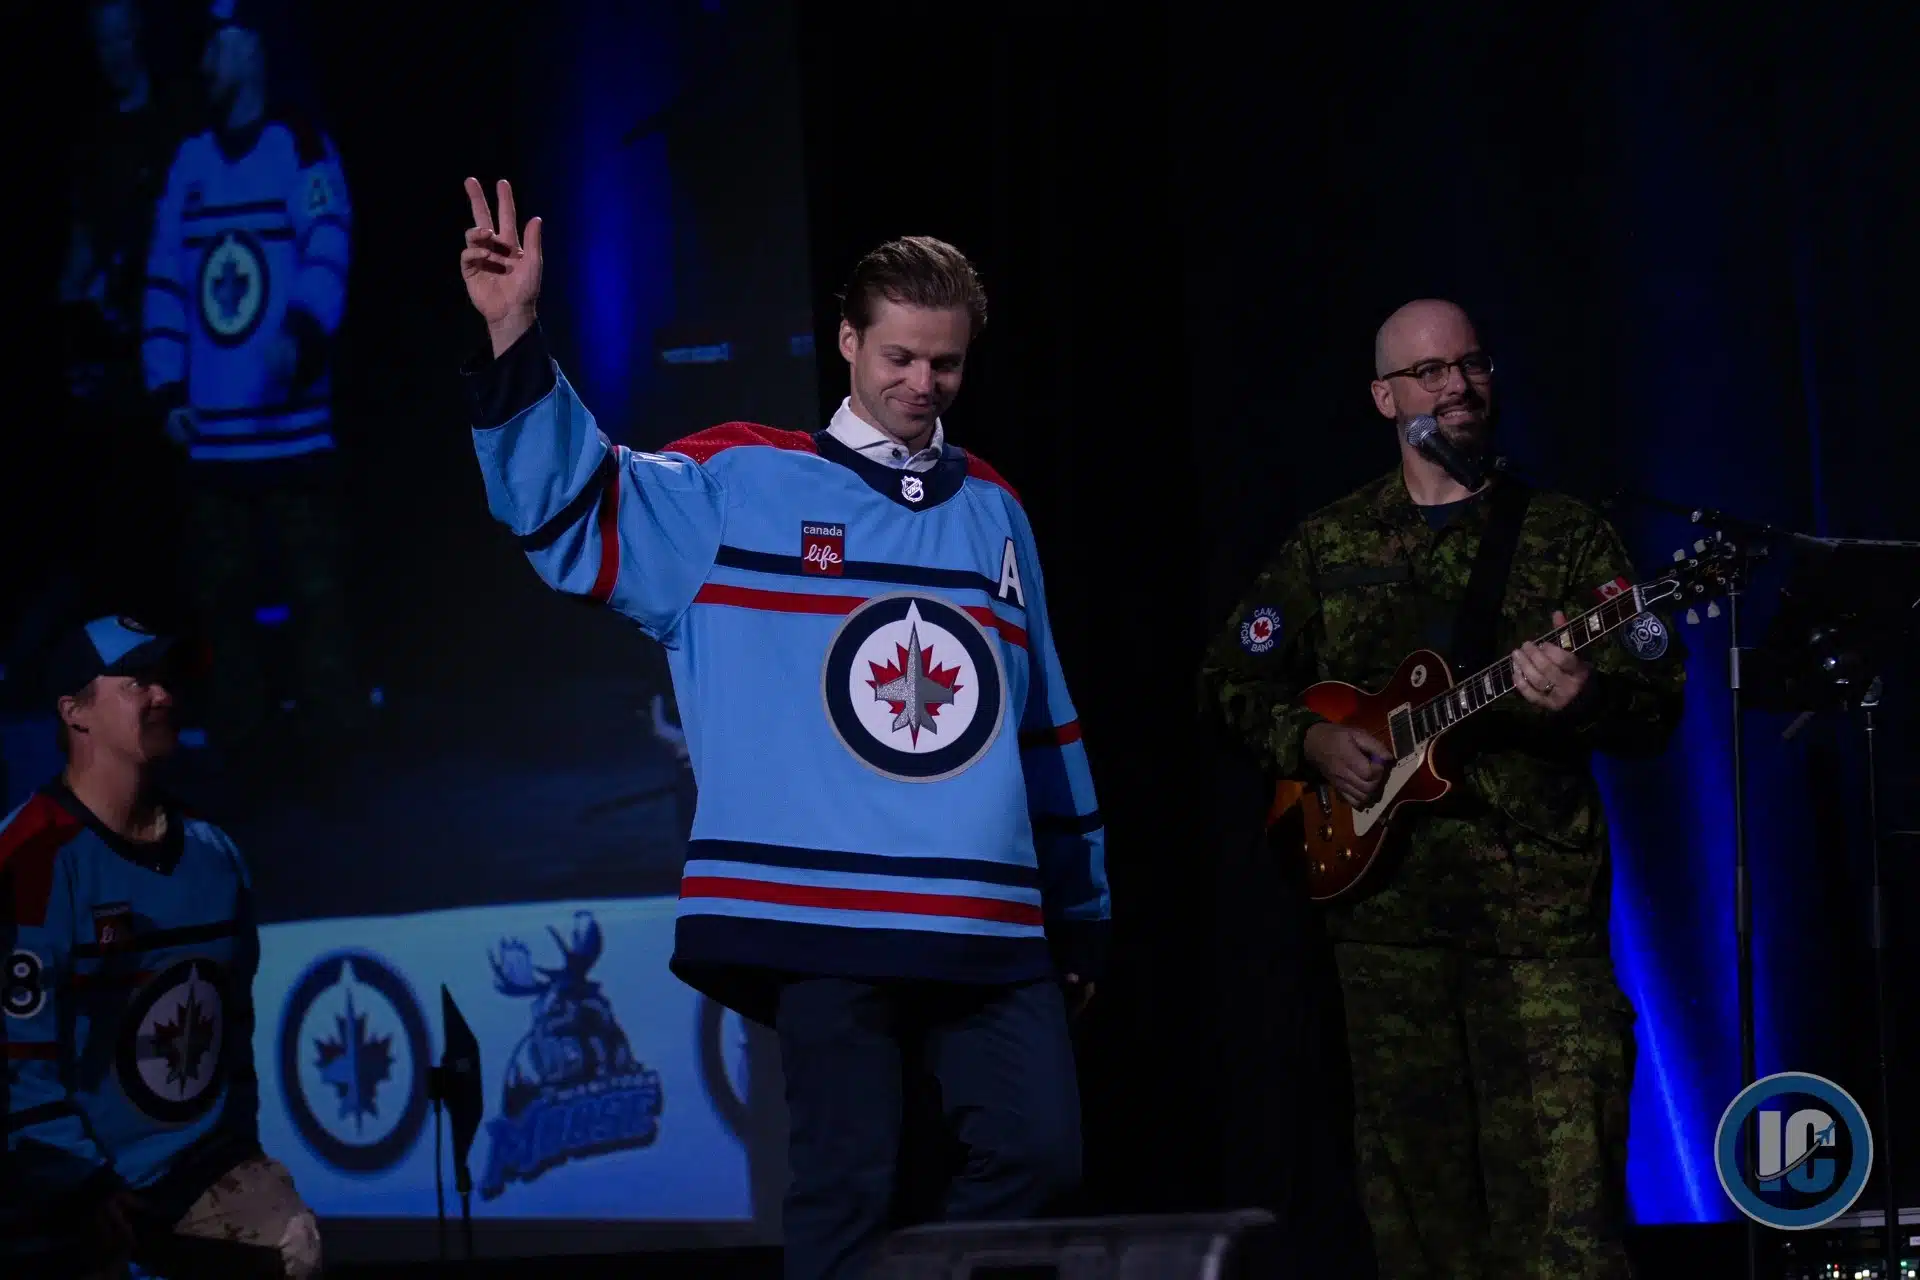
(233, 288)
(914, 688)
(169, 1054)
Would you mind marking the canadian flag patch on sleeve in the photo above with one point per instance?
(1608, 590)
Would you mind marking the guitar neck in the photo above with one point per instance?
(1421, 724)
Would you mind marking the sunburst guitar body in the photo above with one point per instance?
(1339, 842)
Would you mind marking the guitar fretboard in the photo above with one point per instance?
(1417, 725)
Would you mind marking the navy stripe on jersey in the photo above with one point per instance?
(172, 335)
(872, 864)
(863, 570)
(184, 936)
(41, 1114)
(258, 233)
(166, 286)
(253, 412)
(1066, 824)
(233, 210)
(591, 492)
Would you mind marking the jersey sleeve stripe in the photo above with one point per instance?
(883, 900)
(1057, 736)
(609, 524)
(170, 335)
(1067, 824)
(40, 1051)
(914, 866)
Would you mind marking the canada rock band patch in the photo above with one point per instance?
(914, 687)
(1261, 631)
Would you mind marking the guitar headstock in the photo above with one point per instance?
(1714, 567)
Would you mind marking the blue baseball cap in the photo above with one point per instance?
(120, 646)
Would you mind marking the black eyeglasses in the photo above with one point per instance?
(1432, 374)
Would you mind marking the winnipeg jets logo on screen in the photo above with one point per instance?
(913, 687)
(573, 1086)
(233, 288)
(353, 1062)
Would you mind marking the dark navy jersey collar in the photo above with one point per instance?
(934, 486)
(160, 855)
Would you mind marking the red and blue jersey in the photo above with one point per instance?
(129, 1011)
(892, 782)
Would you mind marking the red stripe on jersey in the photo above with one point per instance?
(977, 467)
(777, 601)
(28, 848)
(988, 618)
(703, 445)
(1057, 736)
(32, 1052)
(831, 606)
(957, 906)
(609, 539)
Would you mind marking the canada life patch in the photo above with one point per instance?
(1261, 631)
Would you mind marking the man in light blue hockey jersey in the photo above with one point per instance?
(897, 852)
(130, 944)
(246, 288)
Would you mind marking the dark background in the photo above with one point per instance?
(1687, 236)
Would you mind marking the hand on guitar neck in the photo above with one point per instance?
(1351, 759)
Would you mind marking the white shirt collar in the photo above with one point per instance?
(869, 441)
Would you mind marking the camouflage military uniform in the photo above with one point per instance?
(1492, 1047)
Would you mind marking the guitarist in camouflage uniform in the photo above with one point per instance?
(1492, 1048)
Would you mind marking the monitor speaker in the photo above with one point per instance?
(1203, 1246)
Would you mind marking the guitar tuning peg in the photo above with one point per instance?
(1678, 556)
(1693, 618)
(1700, 545)
(1713, 609)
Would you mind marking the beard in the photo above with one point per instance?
(1472, 434)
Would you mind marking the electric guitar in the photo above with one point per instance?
(1421, 703)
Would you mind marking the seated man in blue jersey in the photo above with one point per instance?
(897, 855)
(131, 949)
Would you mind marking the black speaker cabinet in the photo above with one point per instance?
(1201, 1246)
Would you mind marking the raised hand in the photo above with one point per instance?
(501, 270)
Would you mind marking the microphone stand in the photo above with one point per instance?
(1756, 537)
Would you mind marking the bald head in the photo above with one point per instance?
(1423, 329)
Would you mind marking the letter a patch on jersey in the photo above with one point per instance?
(1010, 589)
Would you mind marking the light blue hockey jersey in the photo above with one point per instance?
(250, 249)
(891, 778)
(129, 1013)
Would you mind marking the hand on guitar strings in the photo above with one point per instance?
(1547, 675)
(1352, 760)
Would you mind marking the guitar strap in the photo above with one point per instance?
(1476, 629)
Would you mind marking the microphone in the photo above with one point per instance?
(1423, 433)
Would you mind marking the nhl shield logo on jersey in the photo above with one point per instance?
(1261, 631)
(914, 687)
(233, 288)
(169, 1056)
(353, 1062)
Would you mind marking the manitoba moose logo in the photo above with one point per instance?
(573, 1087)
